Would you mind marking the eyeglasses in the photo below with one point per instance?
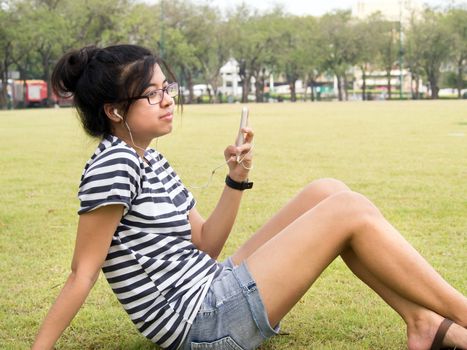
(156, 96)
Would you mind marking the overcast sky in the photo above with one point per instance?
(316, 7)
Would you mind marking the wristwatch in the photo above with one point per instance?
(245, 185)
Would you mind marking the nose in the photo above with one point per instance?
(166, 100)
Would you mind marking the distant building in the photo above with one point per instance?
(231, 82)
(393, 10)
(396, 11)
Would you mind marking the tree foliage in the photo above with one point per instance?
(432, 41)
(197, 40)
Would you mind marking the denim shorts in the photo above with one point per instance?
(232, 315)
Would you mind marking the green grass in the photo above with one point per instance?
(407, 157)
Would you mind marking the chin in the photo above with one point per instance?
(167, 130)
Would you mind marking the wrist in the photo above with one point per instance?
(238, 177)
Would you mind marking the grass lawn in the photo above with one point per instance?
(410, 158)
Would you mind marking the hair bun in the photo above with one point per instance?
(70, 68)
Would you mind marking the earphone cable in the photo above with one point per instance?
(213, 171)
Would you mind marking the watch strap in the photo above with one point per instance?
(245, 185)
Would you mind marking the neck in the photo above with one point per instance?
(138, 145)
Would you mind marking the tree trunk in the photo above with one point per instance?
(460, 78)
(305, 94)
(208, 90)
(313, 98)
(293, 94)
(417, 87)
(433, 79)
(389, 87)
(189, 82)
(3, 91)
(215, 95)
(434, 88)
(346, 92)
(4, 77)
(364, 84)
(259, 89)
(339, 87)
(46, 75)
(246, 88)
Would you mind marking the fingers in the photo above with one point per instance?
(244, 149)
(247, 145)
(249, 134)
(235, 154)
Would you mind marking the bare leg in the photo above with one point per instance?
(308, 198)
(421, 322)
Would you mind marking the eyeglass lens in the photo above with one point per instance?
(171, 90)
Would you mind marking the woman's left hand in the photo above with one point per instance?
(240, 158)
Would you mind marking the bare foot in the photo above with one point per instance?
(421, 333)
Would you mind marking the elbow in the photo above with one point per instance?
(83, 277)
(214, 256)
(213, 253)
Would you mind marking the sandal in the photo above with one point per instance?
(439, 337)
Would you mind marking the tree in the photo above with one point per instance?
(47, 37)
(456, 22)
(413, 60)
(274, 27)
(388, 48)
(292, 56)
(180, 54)
(367, 34)
(255, 41)
(431, 40)
(312, 55)
(96, 22)
(7, 38)
(340, 48)
(212, 47)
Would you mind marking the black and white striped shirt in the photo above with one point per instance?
(154, 269)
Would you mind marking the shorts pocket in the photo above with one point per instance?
(226, 343)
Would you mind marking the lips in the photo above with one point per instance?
(167, 116)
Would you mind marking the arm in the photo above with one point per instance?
(95, 231)
(210, 235)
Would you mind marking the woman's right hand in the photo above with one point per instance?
(95, 232)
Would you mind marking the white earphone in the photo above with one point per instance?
(128, 128)
(116, 113)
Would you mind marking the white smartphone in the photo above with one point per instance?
(243, 124)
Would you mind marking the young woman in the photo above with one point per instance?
(139, 224)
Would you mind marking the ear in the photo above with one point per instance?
(109, 110)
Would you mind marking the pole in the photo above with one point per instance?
(401, 58)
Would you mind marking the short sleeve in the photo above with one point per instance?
(112, 178)
(190, 199)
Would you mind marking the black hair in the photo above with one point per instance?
(96, 76)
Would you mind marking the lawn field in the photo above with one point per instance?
(409, 158)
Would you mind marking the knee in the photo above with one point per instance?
(356, 208)
(323, 188)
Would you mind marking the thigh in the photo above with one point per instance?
(285, 267)
(307, 198)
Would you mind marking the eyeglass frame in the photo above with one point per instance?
(164, 91)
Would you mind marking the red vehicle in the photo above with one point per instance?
(29, 93)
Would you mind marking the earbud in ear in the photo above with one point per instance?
(117, 114)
